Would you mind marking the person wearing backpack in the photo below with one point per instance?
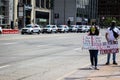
(112, 34)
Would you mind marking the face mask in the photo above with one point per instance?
(93, 29)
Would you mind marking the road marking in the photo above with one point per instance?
(9, 43)
(4, 66)
(76, 49)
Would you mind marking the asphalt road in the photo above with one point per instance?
(41, 57)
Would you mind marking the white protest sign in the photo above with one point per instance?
(91, 42)
(109, 47)
(95, 43)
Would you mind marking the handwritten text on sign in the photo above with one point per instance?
(95, 43)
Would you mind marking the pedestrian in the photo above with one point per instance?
(110, 37)
(69, 22)
(16, 24)
(93, 53)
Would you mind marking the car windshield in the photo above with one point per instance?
(47, 26)
(80, 26)
(28, 26)
(71, 26)
(59, 26)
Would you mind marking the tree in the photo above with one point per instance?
(107, 21)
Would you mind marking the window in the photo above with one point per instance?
(37, 3)
(42, 3)
(47, 4)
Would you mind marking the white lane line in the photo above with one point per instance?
(4, 66)
(76, 49)
(9, 43)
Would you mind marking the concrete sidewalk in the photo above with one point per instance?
(105, 72)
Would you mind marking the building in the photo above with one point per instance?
(33, 11)
(65, 9)
(78, 11)
(109, 8)
(6, 13)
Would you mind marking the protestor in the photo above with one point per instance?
(93, 53)
(112, 35)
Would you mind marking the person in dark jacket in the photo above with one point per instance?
(93, 53)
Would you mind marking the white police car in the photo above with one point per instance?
(31, 28)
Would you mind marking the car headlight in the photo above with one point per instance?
(49, 29)
(28, 30)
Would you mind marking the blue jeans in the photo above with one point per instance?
(113, 56)
(93, 57)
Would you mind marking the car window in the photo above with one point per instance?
(35, 26)
(71, 26)
(53, 26)
(47, 26)
(59, 26)
(28, 26)
(80, 26)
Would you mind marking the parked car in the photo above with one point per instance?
(50, 29)
(31, 28)
(73, 28)
(83, 28)
(0, 30)
(63, 28)
(118, 27)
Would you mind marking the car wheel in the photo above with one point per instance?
(38, 32)
(51, 31)
(31, 32)
(22, 33)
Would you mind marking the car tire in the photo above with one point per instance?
(38, 32)
(22, 33)
(31, 32)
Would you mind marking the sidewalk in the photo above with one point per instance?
(106, 72)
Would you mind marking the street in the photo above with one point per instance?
(42, 57)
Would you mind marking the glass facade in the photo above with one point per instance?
(87, 9)
(4, 12)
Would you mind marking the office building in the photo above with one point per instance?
(33, 11)
(78, 11)
(6, 13)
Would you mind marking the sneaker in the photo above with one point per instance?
(115, 63)
(107, 63)
(96, 68)
(91, 67)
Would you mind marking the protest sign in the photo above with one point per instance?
(109, 47)
(95, 43)
(91, 42)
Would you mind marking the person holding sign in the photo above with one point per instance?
(93, 53)
(111, 36)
